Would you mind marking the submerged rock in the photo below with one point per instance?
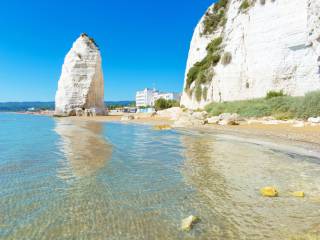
(269, 192)
(298, 194)
(81, 84)
(162, 127)
(188, 223)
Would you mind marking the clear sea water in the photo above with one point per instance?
(66, 179)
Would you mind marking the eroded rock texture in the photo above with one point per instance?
(272, 45)
(81, 85)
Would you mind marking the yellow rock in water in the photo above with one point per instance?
(298, 194)
(269, 192)
(162, 127)
(188, 223)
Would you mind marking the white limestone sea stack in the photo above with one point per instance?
(81, 84)
(241, 49)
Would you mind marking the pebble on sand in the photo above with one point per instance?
(188, 223)
(162, 127)
(269, 192)
(298, 194)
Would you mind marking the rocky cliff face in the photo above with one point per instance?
(81, 85)
(241, 49)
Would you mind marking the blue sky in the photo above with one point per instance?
(143, 43)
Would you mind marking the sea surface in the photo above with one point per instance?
(66, 179)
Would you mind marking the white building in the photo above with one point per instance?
(167, 96)
(147, 97)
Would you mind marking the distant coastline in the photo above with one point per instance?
(37, 106)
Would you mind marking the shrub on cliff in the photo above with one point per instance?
(198, 93)
(205, 93)
(215, 17)
(221, 4)
(200, 70)
(214, 45)
(244, 5)
(272, 94)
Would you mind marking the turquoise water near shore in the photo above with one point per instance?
(66, 179)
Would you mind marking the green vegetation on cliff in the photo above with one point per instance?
(214, 17)
(244, 5)
(280, 107)
(201, 71)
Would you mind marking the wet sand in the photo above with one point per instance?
(307, 135)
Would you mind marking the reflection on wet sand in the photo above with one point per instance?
(228, 175)
(83, 145)
(213, 194)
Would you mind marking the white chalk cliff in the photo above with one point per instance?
(271, 45)
(81, 84)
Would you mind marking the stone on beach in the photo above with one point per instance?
(269, 192)
(228, 119)
(127, 118)
(298, 124)
(171, 113)
(188, 223)
(225, 119)
(273, 122)
(191, 119)
(314, 120)
(200, 115)
(213, 120)
(81, 84)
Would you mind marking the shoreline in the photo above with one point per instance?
(306, 136)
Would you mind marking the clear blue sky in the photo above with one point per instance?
(143, 43)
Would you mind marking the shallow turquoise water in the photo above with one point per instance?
(63, 179)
